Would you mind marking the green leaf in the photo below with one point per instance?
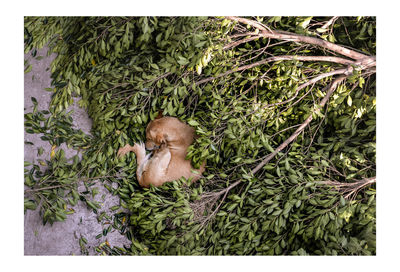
(182, 60)
(199, 69)
(28, 69)
(342, 201)
(34, 101)
(322, 30)
(29, 204)
(349, 100)
(200, 44)
(305, 22)
(193, 123)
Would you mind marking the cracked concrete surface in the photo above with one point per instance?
(62, 237)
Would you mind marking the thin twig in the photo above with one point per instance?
(349, 189)
(236, 43)
(315, 133)
(331, 21)
(68, 184)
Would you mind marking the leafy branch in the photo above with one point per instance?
(252, 88)
(359, 62)
(281, 35)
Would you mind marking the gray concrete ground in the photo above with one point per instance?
(62, 237)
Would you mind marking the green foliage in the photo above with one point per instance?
(54, 187)
(125, 69)
(357, 32)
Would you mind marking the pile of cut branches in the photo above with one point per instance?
(284, 109)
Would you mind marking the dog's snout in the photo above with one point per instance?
(151, 147)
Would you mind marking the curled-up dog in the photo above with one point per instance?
(168, 138)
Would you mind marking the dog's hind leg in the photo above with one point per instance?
(155, 171)
(141, 158)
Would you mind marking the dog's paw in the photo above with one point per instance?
(123, 150)
(139, 147)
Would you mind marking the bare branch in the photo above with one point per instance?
(209, 199)
(349, 189)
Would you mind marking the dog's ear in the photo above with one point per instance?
(160, 112)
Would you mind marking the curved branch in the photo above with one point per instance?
(280, 35)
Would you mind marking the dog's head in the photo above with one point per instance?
(155, 135)
(167, 130)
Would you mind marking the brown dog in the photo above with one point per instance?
(169, 139)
